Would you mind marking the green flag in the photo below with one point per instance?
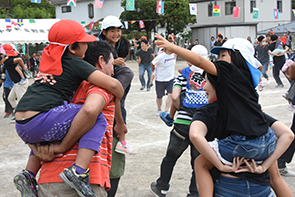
(32, 20)
(255, 13)
(130, 5)
(100, 24)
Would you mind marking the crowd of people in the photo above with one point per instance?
(79, 94)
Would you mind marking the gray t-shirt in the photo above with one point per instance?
(146, 56)
(262, 53)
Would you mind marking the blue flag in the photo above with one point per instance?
(130, 5)
(36, 1)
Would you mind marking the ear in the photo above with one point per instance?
(71, 50)
(104, 32)
(100, 62)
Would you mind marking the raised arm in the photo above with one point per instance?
(187, 55)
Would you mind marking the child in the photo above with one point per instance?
(194, 76)
(154, 75)
(279, 50)
(112, 33)
(61, 72)
(241, 114)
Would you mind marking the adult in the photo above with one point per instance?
(278, 59)
(34, 62)
(165, 76)
(261, 51)
(132, 50)
(13, 60)
(289, 39)
(219, 41)
(197, 41)
(249, 39)
(99, 55)
(186, 43)
(146, 56)
(212, 41)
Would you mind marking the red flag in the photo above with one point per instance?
(236, 12)
(132, 22)
(91, 25)
(8, 26)
(14, 23)
(141, 24)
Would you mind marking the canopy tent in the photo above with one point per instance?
(21, 31)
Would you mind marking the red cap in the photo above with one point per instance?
(219, 34)
(61, 34)
(271, 32)
(9, 50)
(171, 36)
(143, 37)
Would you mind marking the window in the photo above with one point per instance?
(65, 9)
(210, 9)
(229, 7)
(90, 10)
(252, 5)
(280, 5)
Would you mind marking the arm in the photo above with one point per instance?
(187, 55)
(120, 127)
(176, 91)
(139, 61)
(153, 66)
(104, 81)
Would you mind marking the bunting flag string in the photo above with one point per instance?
(216, 11)
(130, 5)
(98, 3)
(160, 7)
(141, 24)
(71, 2)
(236, 12)
(35, 1)
(193, 9)
(255, 13)
(276, 13)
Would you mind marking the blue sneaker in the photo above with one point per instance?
(165, 117)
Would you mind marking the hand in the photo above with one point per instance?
(162, 42)
(251, 167)
(44, 153)
(120, 129)
(119, 61)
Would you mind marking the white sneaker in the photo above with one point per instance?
(158, 113)
(286, 172)
(268, 82)
(291, 107)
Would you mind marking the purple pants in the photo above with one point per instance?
(54, 124)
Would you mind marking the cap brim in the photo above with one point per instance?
(216, 50)
(88, 38)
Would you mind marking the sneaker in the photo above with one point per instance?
(260, 86)
(271, 64)
(78, 182)
(286, 172)
(148, 89)
(158, 112)
(142, 88)
(7, 114)
(120, 148)
(22, 81)
(151, 84)
(166, 118)
(291, 107)
(268, 81)
(279, 86)
(26, 184)
(12, 120)
(156, 191)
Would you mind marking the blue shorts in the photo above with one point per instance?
(161, 86)
(231, 187)
(259, 148)
(54, 125)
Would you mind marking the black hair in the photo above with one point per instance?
(96, 49)
(211, 78)
(238, 60)
(260, 38)
(75, 45)
(107, 29)
(274, 37)
(191, 46)
(124, 46)
(220, 36)
(144, 41)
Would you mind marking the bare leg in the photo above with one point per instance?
(168, 102)
(33, 164)
(159, 103)
(84, 156)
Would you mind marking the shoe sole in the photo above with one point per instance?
(154, 193)
(168, 124)
(21, 185)
(120, 151)
(69, 183)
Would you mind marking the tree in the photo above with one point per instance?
(175, 18)
(26, 9)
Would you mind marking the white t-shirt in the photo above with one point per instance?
(165, 66)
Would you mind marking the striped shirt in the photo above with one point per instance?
(100, 164)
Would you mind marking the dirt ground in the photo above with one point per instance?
(147, 134)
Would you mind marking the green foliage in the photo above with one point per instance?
(175, 18)
(293, 4)
(26, 9)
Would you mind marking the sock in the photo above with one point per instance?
(123, 143)
(31, 173)
(79, 170)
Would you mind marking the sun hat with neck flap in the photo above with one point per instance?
(247, 51)
(61, 34)
(9, 50)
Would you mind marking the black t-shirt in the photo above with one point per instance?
(49, 91)
(10, 67)
(238, 101)
(146, 56)
(139, 45)
(272, 47)
(211, 117)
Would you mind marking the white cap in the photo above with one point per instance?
(202, 51)
(111, 21)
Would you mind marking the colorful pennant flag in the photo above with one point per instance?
(99, 25)
(216, 11)
(293, 11)
(36, 1)
(126, 24)
(255, 13)
(130, 5)
(160, 7)
(71, 2)
(236, 12)
(98, 4)
(8, 20)
(13, 23)
(32, 21)
(20, 22)
(141, 24)
(83, 23)
(132, 22)
(91, 25)
(276, 13)
(193, 9)
(8, 26)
